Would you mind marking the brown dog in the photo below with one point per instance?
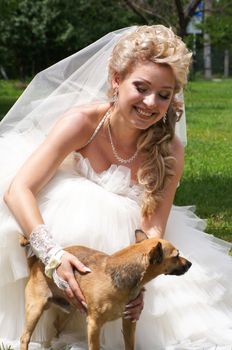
(114, 281)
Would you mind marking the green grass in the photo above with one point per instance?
(207, 180)
(9, 92)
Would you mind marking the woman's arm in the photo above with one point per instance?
(70, 133)
(155, 225)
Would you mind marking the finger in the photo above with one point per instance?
(74, 301)
(136, 310)
(69, 293)
(137, 301)
(77, 294)
(133, 315)
(79, 266)
(132, 318)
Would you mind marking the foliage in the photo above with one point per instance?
(221, 15)
(35, 34)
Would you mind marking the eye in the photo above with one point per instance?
(164, 97)
(141, 89)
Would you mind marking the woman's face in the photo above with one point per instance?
(145, 94)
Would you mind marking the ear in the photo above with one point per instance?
(140, 236)
(115, 80)
(156, 254)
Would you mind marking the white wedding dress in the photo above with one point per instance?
(80, 206)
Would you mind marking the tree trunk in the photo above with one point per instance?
(226, 63)
(207, 44)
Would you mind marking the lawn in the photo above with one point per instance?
(207, 180)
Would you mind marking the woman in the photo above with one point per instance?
(127, 163)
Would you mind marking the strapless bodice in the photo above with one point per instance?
(116, 179)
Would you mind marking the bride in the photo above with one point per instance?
(78, 168)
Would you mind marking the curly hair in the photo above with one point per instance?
(160, 45)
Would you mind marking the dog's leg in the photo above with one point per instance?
(34, 307)
(128, 329)
(93, 329)
(33, 313)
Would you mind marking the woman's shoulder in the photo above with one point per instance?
(78, 124)
(178, 153)
(177, 146)
(85, 116)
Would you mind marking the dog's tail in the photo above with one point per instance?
(23, 241)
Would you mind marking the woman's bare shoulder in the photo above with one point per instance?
(85, 116)
(178, 153)
(177, 146)
(78, 124)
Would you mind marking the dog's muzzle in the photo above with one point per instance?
(181, 269)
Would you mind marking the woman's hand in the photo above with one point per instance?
(65, 271)
(134, 308)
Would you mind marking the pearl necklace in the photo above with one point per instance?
(116, 155)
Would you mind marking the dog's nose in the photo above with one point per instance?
(188, 265)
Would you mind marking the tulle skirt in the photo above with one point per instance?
(80, 206)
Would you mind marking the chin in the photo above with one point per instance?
(143, 123)
(140, 125)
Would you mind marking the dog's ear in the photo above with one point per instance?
(156, 254)
(140, 236)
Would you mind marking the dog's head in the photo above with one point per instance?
(160, 257)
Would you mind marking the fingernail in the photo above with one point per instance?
(133, 321)
(87, 269)
(127, 317)
(126, 312)
(129, 305)
(84, 304)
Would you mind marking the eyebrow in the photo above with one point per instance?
(141, 80)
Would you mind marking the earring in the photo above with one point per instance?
(114, 99)
(165, 118)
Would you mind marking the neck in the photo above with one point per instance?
(124, 134)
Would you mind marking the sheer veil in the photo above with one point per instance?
(78, 79)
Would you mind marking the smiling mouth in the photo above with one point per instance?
(144, 113)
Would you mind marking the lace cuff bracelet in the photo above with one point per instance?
(44, 247)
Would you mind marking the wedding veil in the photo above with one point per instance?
(78, 79)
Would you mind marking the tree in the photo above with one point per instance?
(175, 13)
(219, 27)
(35, 34)
(207, 42)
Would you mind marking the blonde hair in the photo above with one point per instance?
(160, 45)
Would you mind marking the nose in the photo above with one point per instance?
(150, 100)
(188, 265)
